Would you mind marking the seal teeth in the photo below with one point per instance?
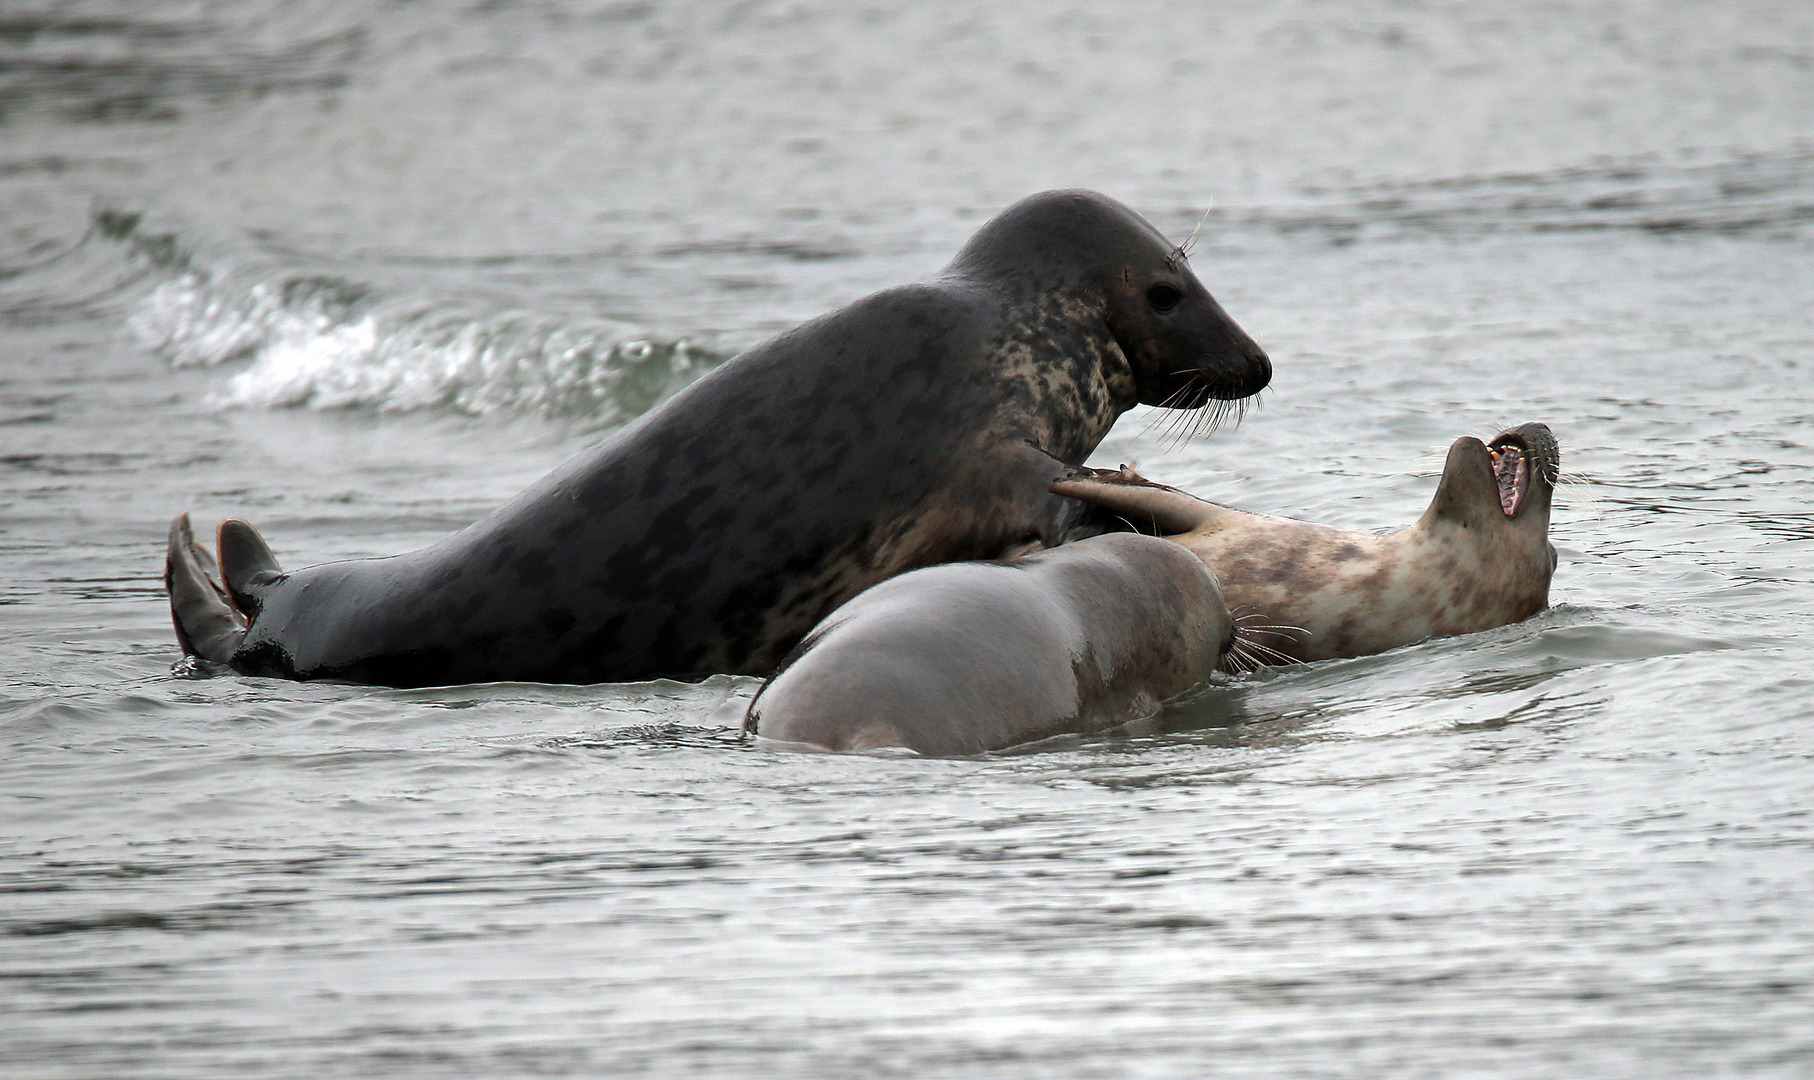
(1512, 472)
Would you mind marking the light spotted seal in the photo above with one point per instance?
(920, 425)
(1479, 557)
(971, 657)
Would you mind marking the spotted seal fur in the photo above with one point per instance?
(1478, 558)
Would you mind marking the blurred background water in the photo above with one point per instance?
(359, 272)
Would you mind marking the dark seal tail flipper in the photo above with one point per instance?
(207, 624)
(246, 564)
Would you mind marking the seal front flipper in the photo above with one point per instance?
(246, 564)
(207, 624)
(1139, 501)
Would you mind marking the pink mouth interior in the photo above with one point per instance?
(1512, 473)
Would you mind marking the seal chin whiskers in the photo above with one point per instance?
(1284, 630)
(1207, 419)
(1213, 417)
(1236, 660)
(1194, 411)
(1174, 409)
(1179, 424)
(1248, 655)
(1578, 488)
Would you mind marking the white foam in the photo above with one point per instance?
(321, 344)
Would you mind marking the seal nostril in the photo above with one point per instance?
(1163, 297)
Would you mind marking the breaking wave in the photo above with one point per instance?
(323, 341)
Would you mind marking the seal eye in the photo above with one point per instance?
(1163, 297)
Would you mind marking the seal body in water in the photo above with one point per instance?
(1479, 557)
(977, 656)
(917, 426)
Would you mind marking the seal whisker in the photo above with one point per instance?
(1131, 527)
(1170, 414)
(1253, 655)
(1290, 633)
(1169, 425)
(1183, 423)
(1169, 404)
(1214, 415)
(1579, 488)
(1207, 412)
(1268, 651)
(1246, 622)
(1210, 419)
(1186, 428)
(1238, 660)
(1177, 400)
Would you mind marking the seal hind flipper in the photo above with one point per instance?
(246, 563)
(207, 623)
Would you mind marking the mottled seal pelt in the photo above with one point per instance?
(1479, 557)
(971, 657)
(917, 426)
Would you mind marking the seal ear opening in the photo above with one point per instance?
(1468, 494)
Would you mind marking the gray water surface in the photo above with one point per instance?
(361, 272)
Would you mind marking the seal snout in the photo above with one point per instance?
(1230, 380)
(1247, 376)
(1246, 371)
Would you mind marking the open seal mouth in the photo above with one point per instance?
(1513, 474)
(1522, 456)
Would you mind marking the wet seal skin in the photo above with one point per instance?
(919, 425)
(971, 657)
(1479, 557)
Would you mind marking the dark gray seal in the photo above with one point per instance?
(971, 657)
(917, 426)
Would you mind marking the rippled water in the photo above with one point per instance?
(360, 272)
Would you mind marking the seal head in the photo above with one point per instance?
(1181, 348)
